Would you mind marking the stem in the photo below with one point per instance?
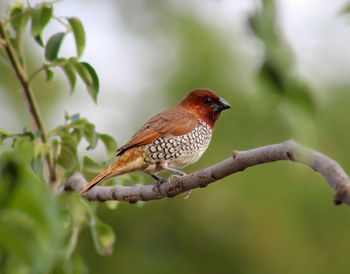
(29, 98)
(35, 73)
(72, 242)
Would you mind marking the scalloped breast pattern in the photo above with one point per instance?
(180, 151)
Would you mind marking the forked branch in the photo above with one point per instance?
(240, 160)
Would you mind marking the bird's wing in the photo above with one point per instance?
(175, 121)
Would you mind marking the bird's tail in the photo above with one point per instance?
(128, 162)
(104, 175)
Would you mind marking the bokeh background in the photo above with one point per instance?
(285, 73)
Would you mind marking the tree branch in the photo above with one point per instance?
(289, 150)
(32, 105)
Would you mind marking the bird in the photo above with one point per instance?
(169, 141)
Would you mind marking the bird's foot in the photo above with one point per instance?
(158, 183)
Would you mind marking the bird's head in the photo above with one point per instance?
(205, 104)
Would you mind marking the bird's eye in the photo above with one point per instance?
(208, 100)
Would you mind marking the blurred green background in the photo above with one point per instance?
(285, 71)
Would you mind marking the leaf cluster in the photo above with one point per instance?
(39, 17)
(39, 224)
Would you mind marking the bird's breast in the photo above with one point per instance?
(179, 151)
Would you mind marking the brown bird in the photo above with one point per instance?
(172, 139)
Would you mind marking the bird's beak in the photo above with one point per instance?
(221, 104)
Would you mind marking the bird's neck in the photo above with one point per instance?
(207, 116)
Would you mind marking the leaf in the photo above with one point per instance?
(82, 71)
(40, 17)
(95, 86)
(19, 19)
(273, 77)
(49, 73)
(68, 157)
(36, 15)
(90, 135)
(103, 237)
(53, 45)
(90, 168)
(79, 34)
(31, 224)
(46, 14)
(110, 144)
(41, 149)
(75, 117)
(39, 40)
(88, 74)
(69, 71)
(112, 204)
(38, 166)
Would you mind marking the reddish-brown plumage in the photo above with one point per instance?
(173, 138)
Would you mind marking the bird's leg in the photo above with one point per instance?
(174, 176)
(158, 183)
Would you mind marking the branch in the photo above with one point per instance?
(289, 150)
(32, 105)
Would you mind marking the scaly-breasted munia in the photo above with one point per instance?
(170, 140)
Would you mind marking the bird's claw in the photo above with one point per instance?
(172, 177)
(158, 183)
(188, 194)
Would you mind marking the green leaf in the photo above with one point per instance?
(19, 19)
(68, 157)
(110, 144)
(36, 15)
(41, 149)
(90, 168)
(69, 71)
(40, 18)
(79, 34)
(90, 135)
(31, 226)
(89, 76)
(46, 14)
(95, 86)
(39, 40)
(38, 166)
(53, 45)
(75, 117)
(103, 237)
(82, 71)
(49, 74)
(112, 204)
(273, 77)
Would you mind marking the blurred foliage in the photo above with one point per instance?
(39, 230)
(274, 218)
(277, 73)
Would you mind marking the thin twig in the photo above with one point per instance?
(240, 160)
(72, 242)
(36, 72)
